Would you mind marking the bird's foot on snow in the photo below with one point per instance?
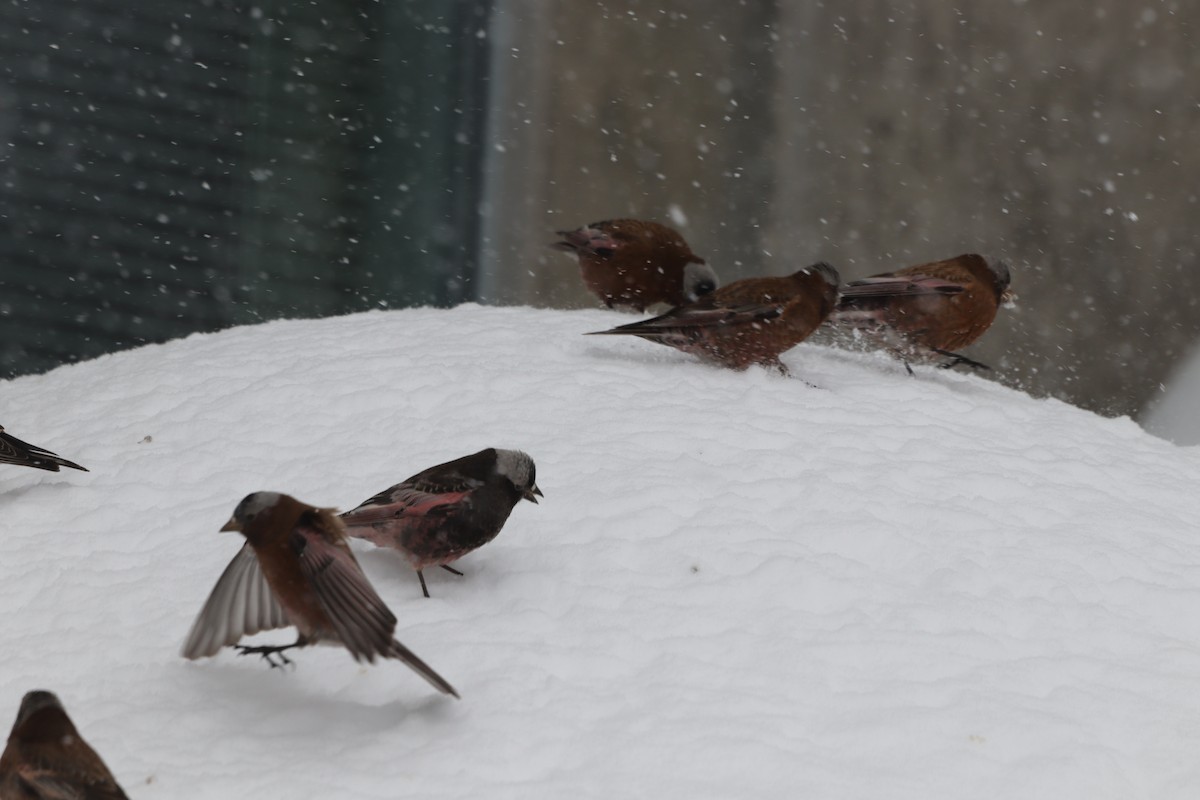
(272, 654)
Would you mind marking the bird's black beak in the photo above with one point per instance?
(232, 525)
(529, 494)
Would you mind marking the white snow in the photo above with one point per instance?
(737, 585)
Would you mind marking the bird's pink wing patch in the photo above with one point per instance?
(588, 240)
(405, 502)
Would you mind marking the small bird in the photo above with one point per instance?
(296, 569)
(14, 451)
(633, 262)
(751, 321)
(47, 759)
(929, 310)
(440, 514)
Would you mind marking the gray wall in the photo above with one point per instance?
(1061, 136)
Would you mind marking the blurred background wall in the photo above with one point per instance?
(1058, 135)
(370, 155)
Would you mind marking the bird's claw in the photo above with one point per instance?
(958, 358)
(272, 654)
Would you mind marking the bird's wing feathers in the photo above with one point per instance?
(384, 498)
(699, 315)
(442, 479)
(64, 770)
(15, 451)
(47, 784)
(241, 604)
(12, 449)
(44, 784)
(359, 617)
(899, 285)
(593, 239)
(450, 483)
(405, 501)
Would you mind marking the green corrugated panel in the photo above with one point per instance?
(174, 167)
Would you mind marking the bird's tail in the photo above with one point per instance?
(402, 653)
(826, 271)
(15, 451)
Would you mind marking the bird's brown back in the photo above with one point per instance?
(751, 321)
(805, 299)
(271, 536)
(967, 270)
(807, 288)
(644, 264)
(938, 321)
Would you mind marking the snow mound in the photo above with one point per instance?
(737, 585)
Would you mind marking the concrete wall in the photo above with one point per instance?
(1059, 135)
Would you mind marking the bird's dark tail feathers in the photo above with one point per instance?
(402, 653)
(15, 451)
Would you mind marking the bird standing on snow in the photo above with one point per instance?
(633, 262)
(14, 451)
(439, 515)
(296, 569)
(928, 310)
(47, 758)
(750, 321)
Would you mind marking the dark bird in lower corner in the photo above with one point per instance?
(296, 569)
(751, 321)
(47, 759)
(442, 513)
(14, 451)
(634, 262)
(927, 311)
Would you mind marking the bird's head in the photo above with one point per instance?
(42, 718)
(251, 507)
(520, 471)
(699, 279)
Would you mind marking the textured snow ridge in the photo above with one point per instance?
(737, 585)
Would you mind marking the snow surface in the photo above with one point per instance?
(737, 585)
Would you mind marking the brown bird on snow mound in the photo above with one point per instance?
(751, 321)
(633, 262)
(14, 451)
(444, 512)
(297, 570)
(47, 759)
(928, 310)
